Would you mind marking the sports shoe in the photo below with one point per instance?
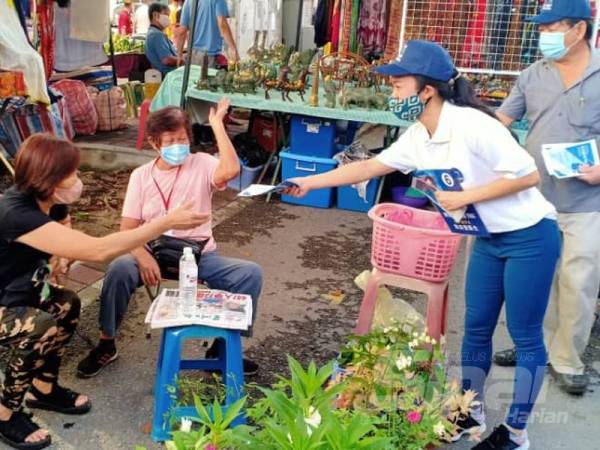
(250, 367)
(467, 427)
(500, 440)
(98, 358)
(571, 384)
(506, 358)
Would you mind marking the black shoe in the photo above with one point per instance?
(250, 367)
(96, 361)
(571, 384)
(467, 427)
(506, 358)
(500, 440)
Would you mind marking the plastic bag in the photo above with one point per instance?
(389, 309)
(355, 152)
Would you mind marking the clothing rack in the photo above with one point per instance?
(482, 36)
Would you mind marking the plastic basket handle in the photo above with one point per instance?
(311, 167)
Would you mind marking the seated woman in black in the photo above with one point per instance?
(37, 319)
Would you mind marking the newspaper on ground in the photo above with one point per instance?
(214, 308)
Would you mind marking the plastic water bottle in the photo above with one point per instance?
(188, 282)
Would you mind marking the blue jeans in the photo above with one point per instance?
(514, 268)
(123, 278)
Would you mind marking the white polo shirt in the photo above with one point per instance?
(484, 151)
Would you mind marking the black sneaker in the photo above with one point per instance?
(250, 367)
(571, 384)
(500, 440)
(96, 361)
(467, 427)
(506, 358)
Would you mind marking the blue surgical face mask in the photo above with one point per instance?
(175, 154)
(409, 108)
(552, 44)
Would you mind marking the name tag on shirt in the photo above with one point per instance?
(564, 160)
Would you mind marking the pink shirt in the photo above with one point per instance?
(195, 182)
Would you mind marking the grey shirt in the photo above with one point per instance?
(558, 115)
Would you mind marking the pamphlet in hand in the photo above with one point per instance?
(463, 221)
(261, 189)
(214, 308)
(565, 160)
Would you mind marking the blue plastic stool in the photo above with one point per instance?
(170, 363)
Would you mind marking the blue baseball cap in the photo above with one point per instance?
(557, 10)
(421, 58)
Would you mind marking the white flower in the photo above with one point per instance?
(186, 425)
(289, 436)
(386, 330)
(439, 429)
(433, 341)
(313, 419)
(403, 362)
(413, 344)
(427, 340)
(415, 334)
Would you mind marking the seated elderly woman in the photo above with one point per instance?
(174, 177)
(37, 319)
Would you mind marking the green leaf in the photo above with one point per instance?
(422, 356)
(233, 411)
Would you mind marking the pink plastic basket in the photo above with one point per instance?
(412, 242)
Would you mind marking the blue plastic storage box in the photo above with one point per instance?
(294, 165)
(247, 176)
(348, 198)
(312, 136)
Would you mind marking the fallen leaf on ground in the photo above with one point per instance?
(336, 296)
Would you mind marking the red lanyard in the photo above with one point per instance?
(166, 201)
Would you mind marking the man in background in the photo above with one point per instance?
(212, 28)
(159, 49)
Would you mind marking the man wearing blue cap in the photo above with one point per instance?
(560, 96)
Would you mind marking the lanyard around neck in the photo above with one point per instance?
(166, 200)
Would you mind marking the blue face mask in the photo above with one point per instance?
(409, 108)
(175, 154)
(552, 44)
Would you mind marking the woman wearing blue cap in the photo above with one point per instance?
(515, 264)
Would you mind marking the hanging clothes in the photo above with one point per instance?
(17, 54)
(73, 54)
(354, 26)
(347, 25)
(392, 45)
(511, 61)
(257, 20)
(530, 34)
(500, 25)
(321, 22)
(89, 20)
(372, 26)
(47, 35)
(335, 25)
(472, 54)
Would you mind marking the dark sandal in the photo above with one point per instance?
(60, 399)
(15, 430)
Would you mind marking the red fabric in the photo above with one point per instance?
(46, 30)
(80, 106)
(347, 17)
(473, 47)
(125, 23)
(393, 32)
(335, 25)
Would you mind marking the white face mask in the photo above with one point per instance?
(164, 20)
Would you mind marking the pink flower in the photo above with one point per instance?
(210, 447)
(414, 416)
